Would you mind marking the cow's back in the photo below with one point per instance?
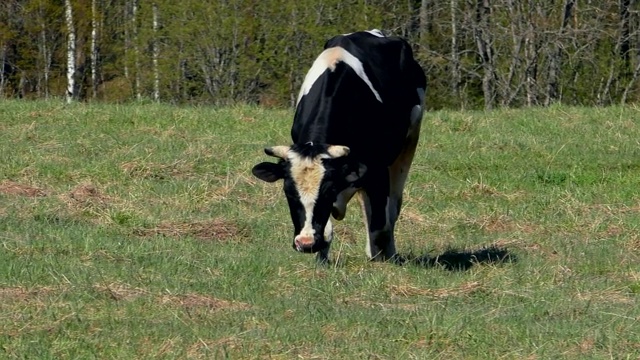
(367, 107)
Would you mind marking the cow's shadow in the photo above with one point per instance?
(459, 260)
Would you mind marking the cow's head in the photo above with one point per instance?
(313, 177)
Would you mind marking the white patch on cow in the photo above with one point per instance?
(328, 231)
(416, 115)
(421, 92)
(307, 174)
(376, 32)
(328, 59)
(416, 112)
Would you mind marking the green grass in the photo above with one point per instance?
(137, 231)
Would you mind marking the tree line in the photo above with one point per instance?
(476, 53)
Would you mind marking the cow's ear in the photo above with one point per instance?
(354, 172)
(268, 171)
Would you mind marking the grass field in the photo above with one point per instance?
(137, 231)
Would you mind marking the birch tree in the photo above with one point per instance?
(136, 48)
(155, 53)
(94, 48)
(71, 51)
(455, 56)
(3, 61)
(555, 58)
(484, 43)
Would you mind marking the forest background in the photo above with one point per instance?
(477, 54)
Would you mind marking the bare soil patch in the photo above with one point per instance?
(209, 230)
(86, 195)
(13, 188)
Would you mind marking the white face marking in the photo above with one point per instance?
(307, 175)
(328, 59)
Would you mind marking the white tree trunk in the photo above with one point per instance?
(553, 86)
(136, 48)
(46, 63)
(627, 89)
(455, 58)
(156, 52)
(71, 51)
(423, 16)
(127, 39)
(94, 47)
(43, 79)
(3, 59)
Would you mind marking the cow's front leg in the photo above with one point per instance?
(340, 205)
(322, 256)
(374, 200)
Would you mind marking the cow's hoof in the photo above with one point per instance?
(322, 257)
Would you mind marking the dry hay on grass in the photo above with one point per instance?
(124, 292)
(400, 293)
(346, 235)
(120, 292)
(608, 296)
(205, 349)
(494, 223)
(202, 301)
(209, 230)
(141, 170)
(397, 291)
(13, 188)
(22, 294)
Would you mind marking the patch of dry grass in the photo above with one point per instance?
(14, 188)
(219, 230)
(180, 169)
(202, 301)
(124, 292)
(404, 291)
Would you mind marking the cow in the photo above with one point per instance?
(355, 130)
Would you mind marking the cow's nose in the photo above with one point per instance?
(304, 243)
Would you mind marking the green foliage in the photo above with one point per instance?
(242, 51)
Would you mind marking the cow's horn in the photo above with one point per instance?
(277, 151)
(337, 151)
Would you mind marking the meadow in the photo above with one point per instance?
(138, 231)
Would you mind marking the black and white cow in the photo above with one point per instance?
(355, 129)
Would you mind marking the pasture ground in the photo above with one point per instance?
(137, 231)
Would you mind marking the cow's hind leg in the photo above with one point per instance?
(381, 244)
(399, 170)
